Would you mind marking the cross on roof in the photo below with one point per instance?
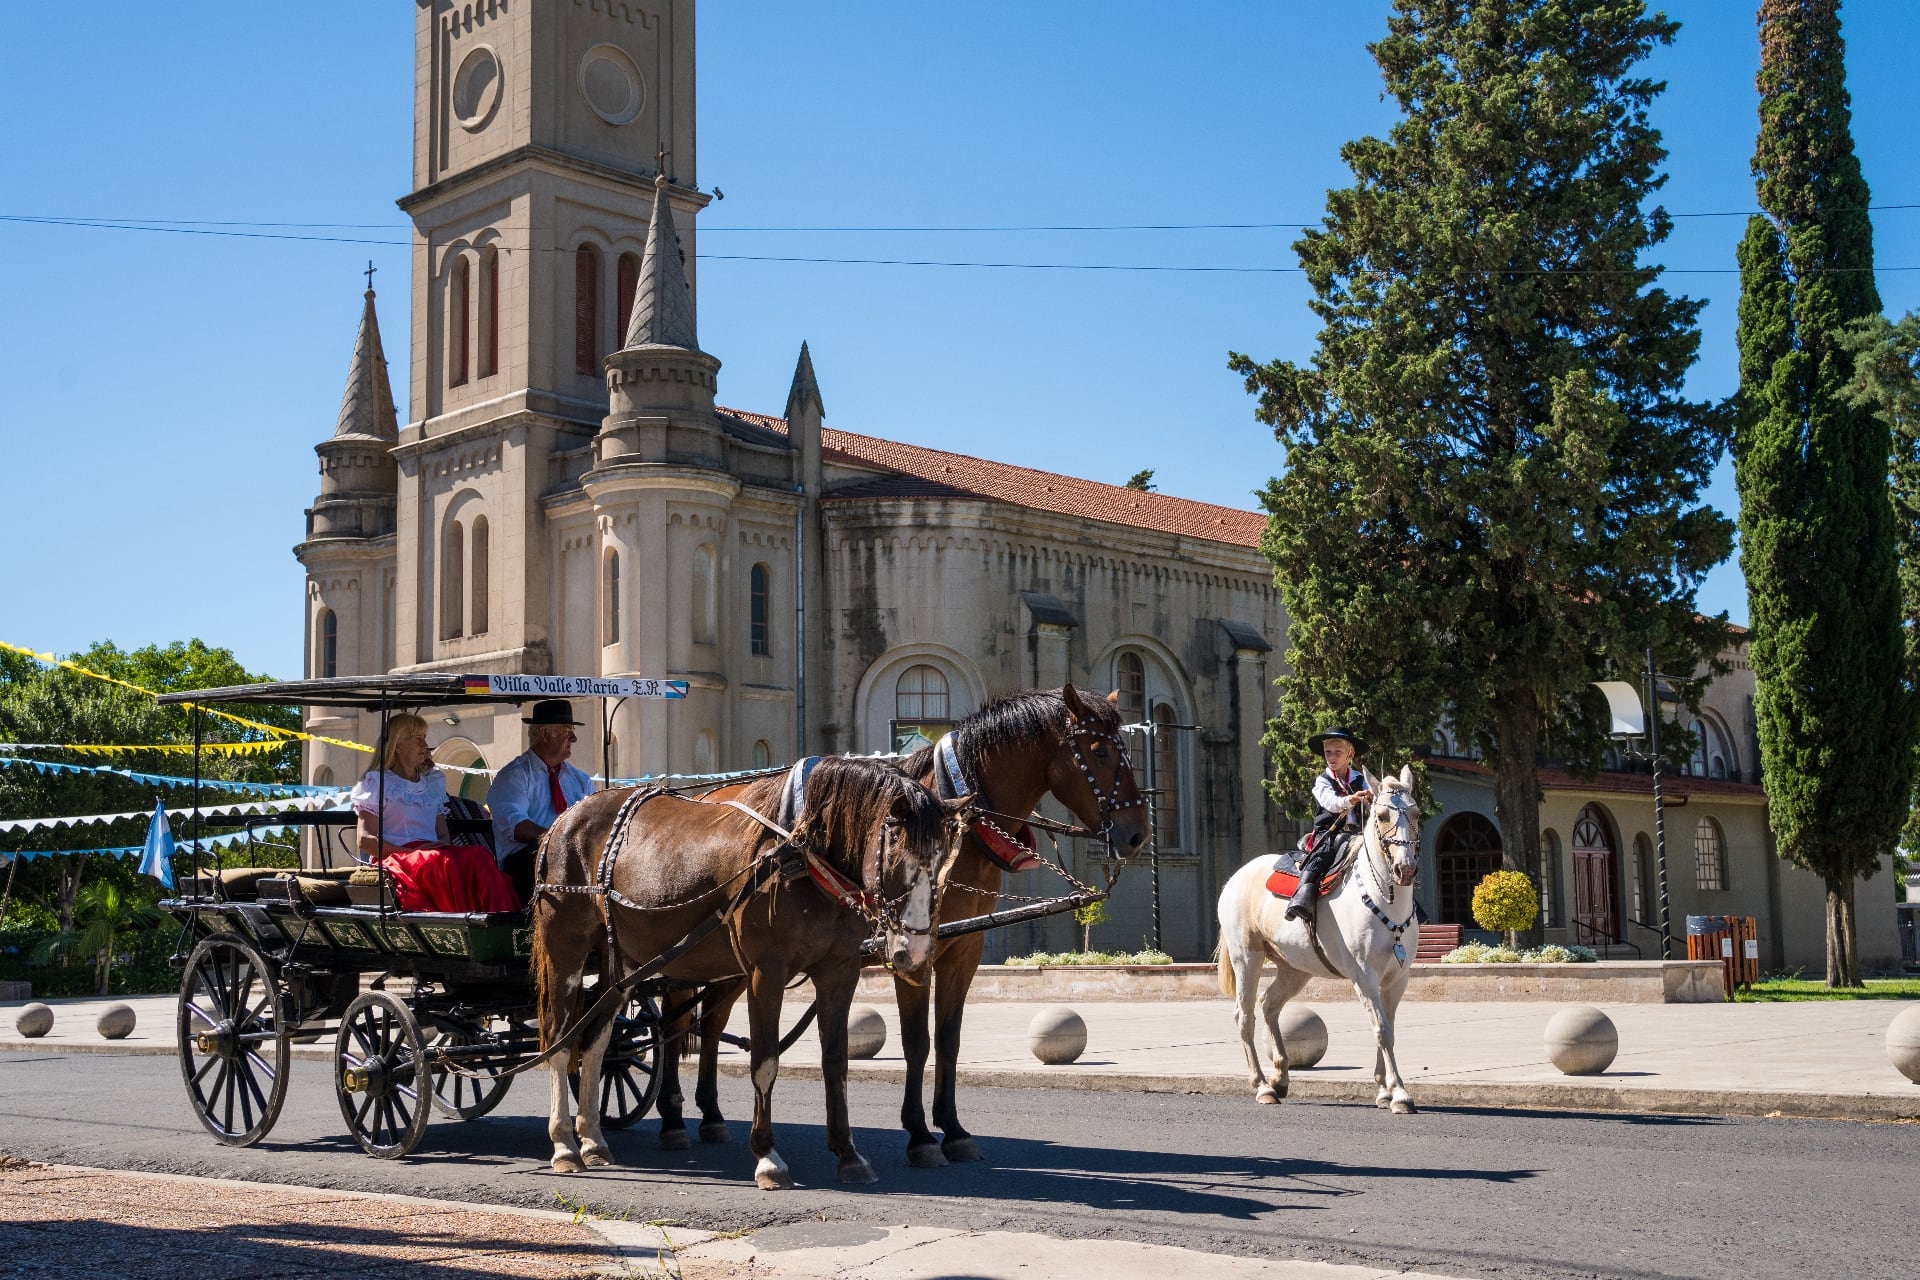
(369, 273)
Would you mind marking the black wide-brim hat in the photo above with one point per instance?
(1318, 742)
(559, 711)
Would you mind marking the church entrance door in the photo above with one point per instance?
(1595, 875)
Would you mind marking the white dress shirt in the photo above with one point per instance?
(520, 794)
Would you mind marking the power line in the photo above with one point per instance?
(218, 231)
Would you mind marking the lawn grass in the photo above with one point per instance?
(1776, 990)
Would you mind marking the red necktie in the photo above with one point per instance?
(558, 797)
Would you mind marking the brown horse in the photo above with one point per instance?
(876, 838)
(1007, 755)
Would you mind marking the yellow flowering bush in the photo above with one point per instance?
(1505, 901)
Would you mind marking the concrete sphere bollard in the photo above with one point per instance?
(1903, 1044)
(34, 1021)
(116, 1021)
(866, 1032)
(1057, 1035)
(1304, 1035)
(1581, 1040)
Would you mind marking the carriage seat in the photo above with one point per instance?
(319, 889)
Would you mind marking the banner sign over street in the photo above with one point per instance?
(576, 686)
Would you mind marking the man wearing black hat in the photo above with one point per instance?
(1341, 795)
(534, 789)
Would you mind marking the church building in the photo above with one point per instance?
(567, 495)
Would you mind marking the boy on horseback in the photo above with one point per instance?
(1341, 798)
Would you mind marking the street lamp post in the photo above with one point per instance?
(1659, 808)
(1150, 730)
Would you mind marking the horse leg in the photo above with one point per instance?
(1392, 1092)
(717, 1003)
(1240, 963)
(1285, 985)
(676, 1013)
(949, 1007)
(1390, 1000)
(833, 989)
(764, 991)
(923, 1149)
(561, 959)
(594, 1151)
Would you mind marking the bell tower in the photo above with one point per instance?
(540, 127)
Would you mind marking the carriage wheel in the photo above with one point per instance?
(466, 1097)
(630, 1075)
(380, 1062)
(234, 1047)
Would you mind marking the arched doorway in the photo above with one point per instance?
(1466, 851)
(1596, 876)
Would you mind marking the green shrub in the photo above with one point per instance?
(1481, 953)
(1505, 901)
(1056, 959)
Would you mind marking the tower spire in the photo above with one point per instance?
(662, 305)
(366, 408)
(805, 389)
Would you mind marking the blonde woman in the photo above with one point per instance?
(403, 827)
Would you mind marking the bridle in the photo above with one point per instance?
(1378, 862)
(951, 778)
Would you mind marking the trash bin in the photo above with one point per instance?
(1732, 940)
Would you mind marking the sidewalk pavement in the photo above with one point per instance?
(57, 1221)
(1818, 1058)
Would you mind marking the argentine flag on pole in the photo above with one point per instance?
(156, 859)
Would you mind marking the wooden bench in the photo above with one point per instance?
(1435, 941)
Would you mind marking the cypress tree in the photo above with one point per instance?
(1834, 712)
(1492, 478)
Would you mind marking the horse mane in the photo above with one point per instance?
(848, 797)
(1008, 720)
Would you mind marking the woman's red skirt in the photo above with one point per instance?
(449, 877)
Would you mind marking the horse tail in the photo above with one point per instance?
(1225, 962)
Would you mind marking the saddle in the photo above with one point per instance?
(1285, 876)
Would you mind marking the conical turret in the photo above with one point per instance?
(359, 483)
(662, 304)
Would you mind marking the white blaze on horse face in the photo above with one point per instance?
(914, 944)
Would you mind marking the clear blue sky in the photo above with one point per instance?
(162, 393)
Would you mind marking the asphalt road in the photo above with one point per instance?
(1458, 1191)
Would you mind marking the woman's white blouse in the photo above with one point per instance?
(410, 808)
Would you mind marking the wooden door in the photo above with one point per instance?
(1595, 875)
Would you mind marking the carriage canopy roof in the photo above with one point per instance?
(394, 692)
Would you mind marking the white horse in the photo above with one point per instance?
(1364, 931)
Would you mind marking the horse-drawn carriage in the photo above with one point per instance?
(437, 1011)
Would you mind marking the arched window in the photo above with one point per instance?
(329, 644)
(1166, 780)
(458, 289)
(489, 313)
(702, 585)
(920, 695)
(1131, 678)
(1709, 856)
(1465, 852)
(477, 609)
(323, 776)
(610, 600)
(586, 309)
(628, 284)
(757, 610)
(762, 754)
(452, 579)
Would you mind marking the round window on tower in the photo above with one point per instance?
(611, 84)
(476, 88)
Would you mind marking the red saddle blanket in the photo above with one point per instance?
(1285, 878)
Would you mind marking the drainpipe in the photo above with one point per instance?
(800, 624)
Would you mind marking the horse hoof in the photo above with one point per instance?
(961, 1150)
(1405, 1108)
(674, 1140)
(772, 1174)
(857, 1172)
(714, 1131)
(1266, 1097)
(927, 1156)
(568, 1162)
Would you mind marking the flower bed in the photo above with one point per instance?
(1552, 953)
(1050, 959)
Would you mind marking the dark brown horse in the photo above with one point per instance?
(1007, 755)
(878, 839)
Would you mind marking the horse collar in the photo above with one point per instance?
(1011, 851)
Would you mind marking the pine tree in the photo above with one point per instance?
(1492, 483)
(1834, 713)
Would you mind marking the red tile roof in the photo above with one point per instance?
(1673, 786)
(923, 472)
